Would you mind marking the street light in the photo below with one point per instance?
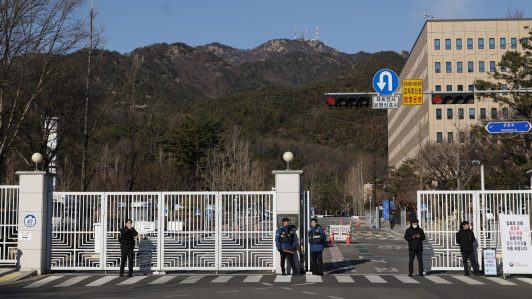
(477, 162)
(529, 174)
(36, 158)
(288, 157)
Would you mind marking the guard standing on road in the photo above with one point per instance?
(127, 244)
(466, 239)
(392, 220)
(317, 240)
(286, 243)
(415, 236)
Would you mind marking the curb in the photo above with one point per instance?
(16, 276)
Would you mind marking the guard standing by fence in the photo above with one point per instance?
(317, 241)
(286, 243)
(127, 245)
(466, 239)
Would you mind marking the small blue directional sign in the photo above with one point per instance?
(385, 82)
(508, 127)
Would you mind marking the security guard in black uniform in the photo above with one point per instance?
(318, 241)
(286, 243)
(127, 244)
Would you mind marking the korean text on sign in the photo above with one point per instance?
(413, 92)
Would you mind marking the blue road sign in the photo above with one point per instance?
(385, 82)
(508, 127)
(386, 209)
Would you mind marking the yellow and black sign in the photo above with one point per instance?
(413, 92)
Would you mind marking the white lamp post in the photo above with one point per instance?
(477, 162)
(288, 157)
(36, 158)
(529, 174)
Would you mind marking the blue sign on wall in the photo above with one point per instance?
(386, 209)
(385, 82)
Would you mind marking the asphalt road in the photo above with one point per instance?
(374, 266)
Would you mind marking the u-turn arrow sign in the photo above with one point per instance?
(385, 82)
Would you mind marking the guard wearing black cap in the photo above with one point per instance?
(415, 236)
(286, 243)
(466, 239)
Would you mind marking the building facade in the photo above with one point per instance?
(449, 55)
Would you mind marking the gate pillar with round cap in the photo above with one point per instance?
(288, 200)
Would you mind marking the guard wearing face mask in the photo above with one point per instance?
(317, 240)
(286, 243)
(415, 236)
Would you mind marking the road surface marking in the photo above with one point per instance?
(437, 280)
(253, 278)
(222, 279)
(467, 280)
(42, 282)
(375, 279)
(525, 279)
(306, 292)
(225, 292)
(72, 281)
(162, 280)
(406, 279)
(501, 281)
(344, 279)
(313, 278)
(281, 278)
(131, 280)
(192, 279)
(102, 281)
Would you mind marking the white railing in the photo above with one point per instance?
(441, 212)
(8, 224)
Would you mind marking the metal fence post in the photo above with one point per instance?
(161, 216)
(103, 225)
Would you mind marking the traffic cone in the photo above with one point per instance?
(348, 239)
(331, 238)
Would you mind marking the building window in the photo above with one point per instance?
(448, 67)
(459, 67)
(439, 137)
(483, 113)
(503, 68)
(481, 67)
(448, 44)
(513, 43)
(470, 66)
(460, 88)
(503, 42)
(471, 88)
(449, 88)
(471, 113)
(470, 44)
(461, 113)
(438, 113)
(437, 44)
(492, 43)
(462, 137)
(492, 66)
(438, 87)
(458, 44)
(449, 113)
(437, 67)
(505, 113)
(480, 43)
(493, 113)
(450, 137)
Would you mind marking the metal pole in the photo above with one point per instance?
(482, 186)
(530, 182)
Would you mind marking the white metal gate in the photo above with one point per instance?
(177, 230)
(440, 214)
(8, 224)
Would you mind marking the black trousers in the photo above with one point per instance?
(290, 257)
(392, 224)
(469, 256)
(127, 252)
(412, 254)
(316, 262)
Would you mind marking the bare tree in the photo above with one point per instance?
(34, 35)
(233, 168)
(516, 13)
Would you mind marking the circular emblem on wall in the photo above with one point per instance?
(30, 220)
(511, 264)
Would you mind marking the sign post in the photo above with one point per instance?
(413, 92)
(385, 83)
(515, 242)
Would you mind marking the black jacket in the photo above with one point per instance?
(414, 244)
(127, 237)
(465, 238)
